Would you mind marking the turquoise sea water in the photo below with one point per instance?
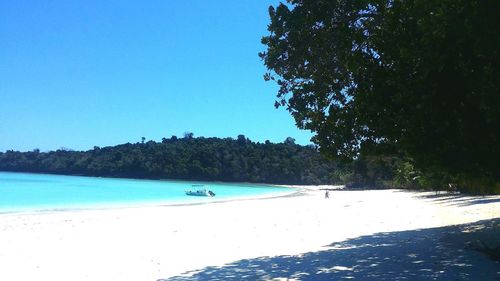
(32, 192)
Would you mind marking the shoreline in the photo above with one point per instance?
(109, 192)
(191, 242)
(173, 203)
(162, 179)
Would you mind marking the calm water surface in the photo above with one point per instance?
(28, 192)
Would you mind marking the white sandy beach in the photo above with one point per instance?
(256, 239)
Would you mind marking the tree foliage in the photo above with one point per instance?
(188, 158)
(417, 78)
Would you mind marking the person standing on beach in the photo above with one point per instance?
(327, 194)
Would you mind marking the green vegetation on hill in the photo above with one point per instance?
(233, 160)
(210, 159)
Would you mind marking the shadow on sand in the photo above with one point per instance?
(426, 254)
(460, 199)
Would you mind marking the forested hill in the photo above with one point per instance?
(188, 158)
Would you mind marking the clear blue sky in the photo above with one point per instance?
(76, 74)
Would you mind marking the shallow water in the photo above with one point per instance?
(29, 192)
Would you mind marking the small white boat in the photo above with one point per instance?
(200, 190)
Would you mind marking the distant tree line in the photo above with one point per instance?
(235, 160)
(188, 158)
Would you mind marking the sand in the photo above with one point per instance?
(304, 237)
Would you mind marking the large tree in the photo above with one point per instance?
(414, 77)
